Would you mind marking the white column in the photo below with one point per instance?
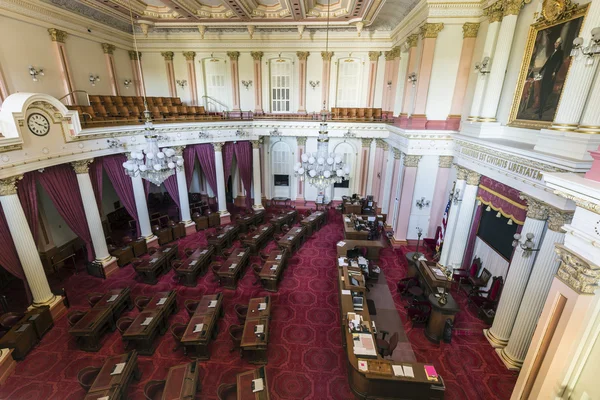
(500, 61)
(256, 174)
(459, 188)
(142, 208)
(463, 224)
(545, 267)
(220, 179)
(184, 201)
(370, 168)
(590, 122)
(90, 206)
(518, 275)
(24, 242)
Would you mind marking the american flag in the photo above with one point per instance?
(440, 238)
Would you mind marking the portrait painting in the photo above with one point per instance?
(544, 71)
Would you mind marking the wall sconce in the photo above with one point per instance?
(455, 196)
(314, 84)
(241, 133)
(182, 83)
(247, 84)
(591, 50)
(275, 132)
(94, 79)
(34, 73)
(127, 82)
(349, 134)
(389, 84)
(412, 78)
(483, 66)
(527, 245)
(422, 203)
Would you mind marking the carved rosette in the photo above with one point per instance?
(108, 48)
(82, 166)
(56, 35)
(255, 144)
(233, 55)
(411, 161)
(445, 161)
(536, 209)
(8, 186)
(461, 172)
(302, 55)
(218, 146)
(473, 178)
(167, 55)
(189, 55)
(257, 55)
(577, 272)
(326, 55)
(301, 140)
(135, 56)
(374, 55)
(470, 29)
(412, 40)
(366, 142)
(397, 154)
(559, 218)
(430, 30)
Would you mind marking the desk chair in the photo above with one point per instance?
(387, 348)
(94, 298)
(256, 268)
(87, 376)
(215, 267)
(236, 332)
(10, 319)
(177, 331)
(241, 311)
(123, 324)
(73, 317)
(480, 281)
(141, 302)
(153, 390)
(227, 391)
(190, 306)
(419, 312)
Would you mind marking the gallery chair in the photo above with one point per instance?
(227, 391)
(386, 348)
(153, 390)
(481, 280)
(461, 275)
(87, 376)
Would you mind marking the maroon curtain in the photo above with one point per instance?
(189, 159)
(243, 155)
(8, 256)
(27, 192)
(206, 158)
(171, 186)
(472, 237)
(113, 165)
(228, 151)
(96, 178)
(60, 182)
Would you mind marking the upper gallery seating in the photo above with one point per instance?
(357, 114)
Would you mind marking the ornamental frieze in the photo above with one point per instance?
(578, 273)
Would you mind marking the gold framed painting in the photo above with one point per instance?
(546, 63)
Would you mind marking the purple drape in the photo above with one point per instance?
(503, 198)
(60, 182)
(206, 157)
(171, 186)
(27, 192)
(472, 237)
(243, 154)
(228, 151)
(113, 165)
(189, 159)
(9, 258)
(96, 178)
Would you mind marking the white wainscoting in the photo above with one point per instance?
(490, 259)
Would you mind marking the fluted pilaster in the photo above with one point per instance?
(481, 82)
(256, 174)
(463, 223)
(459, 188)
(142, 207)
(220, 178)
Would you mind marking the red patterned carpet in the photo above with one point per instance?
(306, 359)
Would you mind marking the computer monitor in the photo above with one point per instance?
(358, 303)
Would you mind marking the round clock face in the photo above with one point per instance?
(38, 124)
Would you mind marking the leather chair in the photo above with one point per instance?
(215, 266)
(10, 319)
(386, 348)
(256, 268)
(141, 302)
(236, 332)
(241, 311)
(201, 221)
(123, 324)
(153, 390)
(488, 299)
(94, 298)
(87, 376)
(177, 331)
(73, 317)
(227, 391)
(124, 254)
(165, 235)
(480, 281)
(190, 306)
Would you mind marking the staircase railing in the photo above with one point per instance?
(213, 105)
(87, 97)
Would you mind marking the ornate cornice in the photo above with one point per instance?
(108, 48)
(257, 55)
(397, 154)
(461, 172)
(470, 29)
(585, 204)
(430, 30)
(189, 55)
(233, 55)
(255, 144)
(473, 178)
(301, 140)
(495, 12)
(412, 40)
(559, 218)
(302, 55)
(374, 55)
(577, 272)
(536, 209)
(366, 142)
(82, 166)
(411, 160)
(445, 161)
(326, 55)
(8, 186)
(56, 35)
(133, 56)
(167, 55)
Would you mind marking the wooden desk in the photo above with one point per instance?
(244, 385)
(196, 264)
(141, 337)
(439, 315)
(152, 267)
(40, 318)
(228, 277)
(281, 219)
(358, 275)
(170, 251)
(259, 238)
(352, 207)
(118, 304)
(182, 382)
(270, 277)
(424, 270)
(350, 232)
(165, 307)
(254, 347)
(89, 329)
(197, 343)
(115, 386)
(203, 306)
(112, 394)
(254, 312)
(224, 238)
(314, 222)
(373, 247)
(292, 240)
(253, 219)
(21, 338)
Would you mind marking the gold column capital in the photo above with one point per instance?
(135, 56)
(256, 144)
(495, 12)
(445, 161)
(218, 146)
(167, 55)
(326, 55)
(374, 55)
(412, 40)
(579, 273)
(301, 140)
(302, 55)
(257, 55)
(470, 29)
(82, 166)
(392, 54)
(473, 178)
(381, 144)
(366, 142)
(108, 48)
(461, 172)
(514, 7)
(558, 218)
(397, 154)
(189, 55)
(233, 55)
(431, 30)
(412, 160)
(8, 186)
(536, 209)
(56, 35)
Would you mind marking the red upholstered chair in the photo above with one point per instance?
(236, 332)
(227, 391)
(73, 317)
(141, 302)
(153, 390)
(94, 298)
(87, 376)
(241, 311)
(488, 299)
(387, 348)
(461, 275)
(177, 331)
(480, 281)
(190, 306)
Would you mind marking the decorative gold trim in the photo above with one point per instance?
(255, 144)
(470, 30)
(514, 203)
(8, 186)
(579, 273)
(233, 55)
(585, 204)
(108, 48)
(326, 55)
(82, 166)
(495, 12)
(56, 35)
(374, 55)
(412, 40)
(218, 146)
(366, 142)
(257, 55)
(501, 211)
(167, 55)
(302, 55)
(536, 209)
(431, 30)
(559, 218)
(445, 161)
(480, 119)
(133, 56)
(11, 147)
(189, 55)
(301, 140)
(412, 160)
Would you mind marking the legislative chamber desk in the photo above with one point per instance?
(182, 382)
(165, 303)
(195, 265)
(224, 238)
(425, 272)
(373, 247)
(244, 385)
(232, 268)
(151, 268)
(380, 381)
(89, 329)
(26, 333)
(115, 386)
(273, 268)
(253, 345)
(202, 327)
(259, 238)
(314, 221)
(293, 239)
(352, 207)
(287, 217)
(117, 301)
(251, 219)
(144, 329)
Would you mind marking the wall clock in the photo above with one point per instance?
(38, 124)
